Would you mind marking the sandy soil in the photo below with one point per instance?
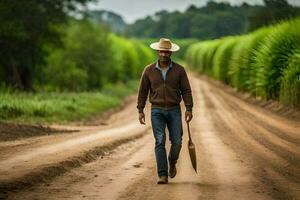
(243, 152)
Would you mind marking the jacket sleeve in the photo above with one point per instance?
(143, 91)
(186, 91)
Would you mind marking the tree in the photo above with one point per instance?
(272, 12)
(213, 20)
(228, 24)
(84, 61)
(25, 26)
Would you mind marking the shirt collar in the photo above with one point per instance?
(169, 66)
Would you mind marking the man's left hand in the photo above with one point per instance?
(188, 116)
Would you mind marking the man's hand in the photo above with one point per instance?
(142, 118)
(188, 116)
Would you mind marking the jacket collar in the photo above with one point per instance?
(158, 67)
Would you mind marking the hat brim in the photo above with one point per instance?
(173, 48)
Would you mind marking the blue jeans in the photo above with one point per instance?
(172, 119)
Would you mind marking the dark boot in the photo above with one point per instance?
(173, 170)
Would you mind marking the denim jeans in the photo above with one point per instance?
(171, 119)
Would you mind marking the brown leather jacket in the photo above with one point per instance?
(164, 93)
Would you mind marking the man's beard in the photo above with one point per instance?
(165, 59)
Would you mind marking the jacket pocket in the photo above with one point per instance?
(158, 96)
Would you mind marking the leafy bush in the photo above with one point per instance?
(82, 62)
(91, 59)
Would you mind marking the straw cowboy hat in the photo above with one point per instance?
(165, 44)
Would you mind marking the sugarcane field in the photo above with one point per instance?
(158, 100)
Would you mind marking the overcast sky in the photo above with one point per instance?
(131, 10)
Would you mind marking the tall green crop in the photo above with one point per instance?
(222, 59)
(264, 63)
(273, 56)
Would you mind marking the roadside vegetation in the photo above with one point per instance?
(63, 68)
(61, 107)
(265, 62)
(59, 63)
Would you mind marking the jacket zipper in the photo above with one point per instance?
(165, 94)
(164, 86)
(165, 89)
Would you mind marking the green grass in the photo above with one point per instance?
(61, 107)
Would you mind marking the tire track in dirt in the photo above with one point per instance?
(264, 152)
(285, 150)
(97, 180)
(41, 159)
(289, 128)
(236, 180)
(282, 148)
(288, 153)
(258, 162)
(221, 174)
(292, 137)
(187, 184)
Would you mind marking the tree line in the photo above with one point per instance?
(213, 20)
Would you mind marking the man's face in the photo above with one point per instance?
(164, 55)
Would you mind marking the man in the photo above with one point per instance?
(168, 83)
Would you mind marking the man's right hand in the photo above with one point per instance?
(142, 118)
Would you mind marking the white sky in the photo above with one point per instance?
(131, 10)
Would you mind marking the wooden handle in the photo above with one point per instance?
(188, 126)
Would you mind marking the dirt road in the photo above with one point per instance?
(243, 152)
